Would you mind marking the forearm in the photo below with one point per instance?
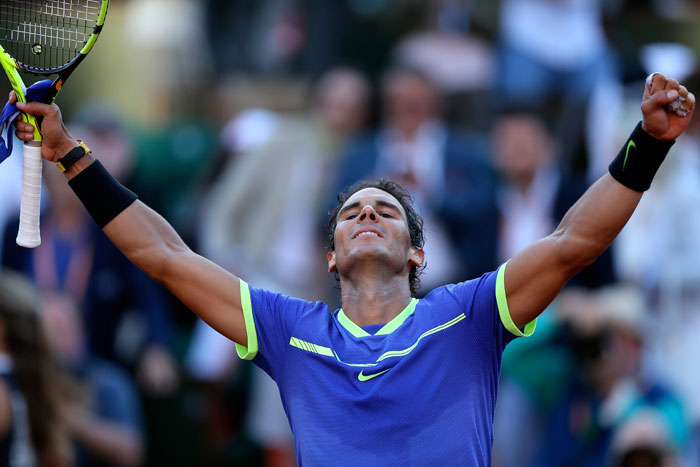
(139, 232)
(587, 229)
(153, 246)
(147, 240)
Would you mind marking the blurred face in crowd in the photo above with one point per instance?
(341, 100)
(410, 101)
(63, 327)
(521, 145)
(113, 147)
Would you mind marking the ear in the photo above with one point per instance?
(331, 261)
(416, 257)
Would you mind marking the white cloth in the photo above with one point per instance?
(10, 188)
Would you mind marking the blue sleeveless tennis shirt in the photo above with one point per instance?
(420, 391)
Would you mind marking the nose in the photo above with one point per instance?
(368, 213)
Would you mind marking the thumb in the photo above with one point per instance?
(659, 99)
(666, 97)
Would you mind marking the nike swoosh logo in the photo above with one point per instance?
(627, 152)
(363, 377)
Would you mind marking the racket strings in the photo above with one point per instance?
(47, 34)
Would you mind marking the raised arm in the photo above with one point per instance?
(146, 238)
(535, 276)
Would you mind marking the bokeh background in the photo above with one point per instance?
(240, 120)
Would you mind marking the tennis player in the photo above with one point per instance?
(387, 379)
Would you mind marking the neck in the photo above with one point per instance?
(369, 298)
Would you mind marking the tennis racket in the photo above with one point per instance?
(43, 37)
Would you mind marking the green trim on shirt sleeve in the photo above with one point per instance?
(249, 352)
(503, 310)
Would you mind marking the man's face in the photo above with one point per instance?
(410, 102)
(372, 225)
(521, 146)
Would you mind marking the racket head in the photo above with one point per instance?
(47, 37)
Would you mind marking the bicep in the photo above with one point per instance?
(209, 291)
(535, 276)
(533, 279)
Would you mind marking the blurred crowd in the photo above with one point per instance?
(242, 126)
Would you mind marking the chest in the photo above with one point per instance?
(412, 373)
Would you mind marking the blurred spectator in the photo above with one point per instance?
(644, 441)
(556, 50)
(251, 36)
(31, 427)
(659, 251)
(126, 314)
(248, 211)
(447, 51)
(282, 37)
(170, 66)
(459, 60)
(100, 401)
(171, 159)
(534, 195)
(303, 151)
(552, 46)
(10, 189)
(609, 390)
(444, 170)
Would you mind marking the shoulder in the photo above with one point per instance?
(277, 309)
(460, 297)
(469, 289)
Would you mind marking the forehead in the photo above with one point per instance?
(372, 196)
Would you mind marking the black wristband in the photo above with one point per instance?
(73, 156)
(639, 159)
(101, 194)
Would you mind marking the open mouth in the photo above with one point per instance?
(366, 233)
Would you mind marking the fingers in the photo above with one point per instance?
(37, 108)
(24, 130)
(689, 101)
(655, 82)
(658, 82)
(662, 91)
(659, 99)
(672, 84)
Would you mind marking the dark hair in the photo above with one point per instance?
(415, 221)
(33, 367)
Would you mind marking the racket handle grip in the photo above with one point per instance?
(30, 203)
